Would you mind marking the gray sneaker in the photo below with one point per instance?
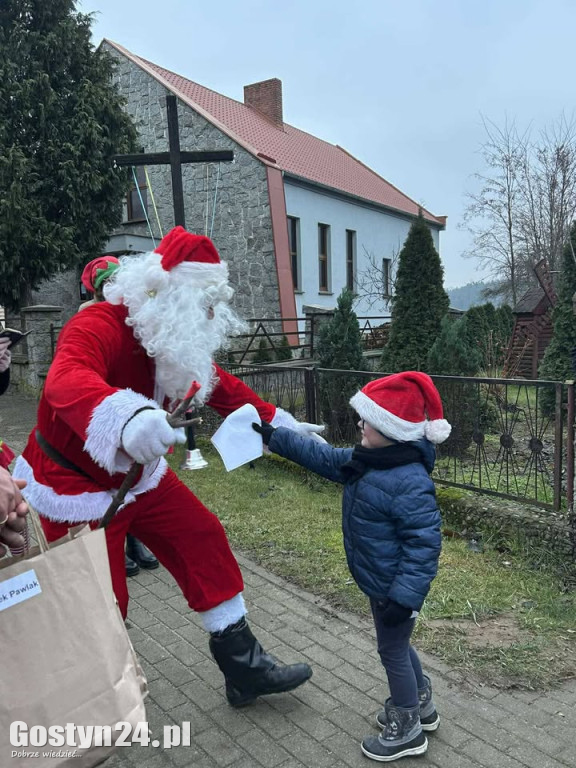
(402, 737)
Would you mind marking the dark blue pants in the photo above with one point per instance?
(400, 660)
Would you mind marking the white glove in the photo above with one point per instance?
(147, 436)
(283, 418)
(310, 430)
(5, 355)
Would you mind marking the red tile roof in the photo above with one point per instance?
(290, 149)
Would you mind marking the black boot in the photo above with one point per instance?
(248, 670)
(132, 568)
(140, 554)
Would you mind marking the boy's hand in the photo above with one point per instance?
(393, 613)
(265, 429)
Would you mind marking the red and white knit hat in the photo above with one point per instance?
(404, 407)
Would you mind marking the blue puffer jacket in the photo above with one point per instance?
(390, 519)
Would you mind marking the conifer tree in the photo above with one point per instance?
(557, 362)
(419, 303)
(262, 354)
(340, 348)
(284, 350)
(454, 353)
(505, 322)
(61, 120)
(489, 330)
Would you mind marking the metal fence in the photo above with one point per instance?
(511, 438)
(303, 343)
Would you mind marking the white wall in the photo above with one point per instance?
(378, 233)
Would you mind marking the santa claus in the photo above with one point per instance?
(116, 364)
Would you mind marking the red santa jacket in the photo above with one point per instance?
(99, 378)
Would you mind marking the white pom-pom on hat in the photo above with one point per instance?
(437, 430)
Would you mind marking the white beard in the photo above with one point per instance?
(169, 315)
(187, 359)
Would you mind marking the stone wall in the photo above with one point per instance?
(32, 357)
(63, 290)
(240, 222)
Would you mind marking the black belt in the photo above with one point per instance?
(56, 456)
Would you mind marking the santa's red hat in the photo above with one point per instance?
(181, 258)
(180, 246)
(403, 407)
(98, 270)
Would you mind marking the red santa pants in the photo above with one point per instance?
(183, 534)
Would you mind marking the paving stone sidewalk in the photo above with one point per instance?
(321, 724)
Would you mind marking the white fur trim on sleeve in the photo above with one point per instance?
(283, 418)
(103, 436)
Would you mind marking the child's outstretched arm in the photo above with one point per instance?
(321, 458)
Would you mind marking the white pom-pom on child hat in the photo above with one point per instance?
(404, 406)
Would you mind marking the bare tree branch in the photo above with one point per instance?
(371, 282)
(526, 202)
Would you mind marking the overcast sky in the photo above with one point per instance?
(402, 85)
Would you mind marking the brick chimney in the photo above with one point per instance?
(266, 97)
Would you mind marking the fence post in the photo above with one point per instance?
(311, 336)
(558, 440)
(310, 395)
(570, 453)
(317, 316)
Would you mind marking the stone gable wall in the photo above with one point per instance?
(240, 222)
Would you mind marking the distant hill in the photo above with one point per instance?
(469, 295)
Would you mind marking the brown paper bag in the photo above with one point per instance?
(65, 655)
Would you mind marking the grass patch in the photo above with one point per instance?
(488, 614)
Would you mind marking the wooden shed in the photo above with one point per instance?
(531, 335)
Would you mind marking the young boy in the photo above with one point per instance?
(391, 527)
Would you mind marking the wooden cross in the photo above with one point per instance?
(175, 157)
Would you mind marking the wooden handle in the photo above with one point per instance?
(120, 494)
(175, 421)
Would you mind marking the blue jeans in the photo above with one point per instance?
(400, 660)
